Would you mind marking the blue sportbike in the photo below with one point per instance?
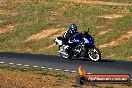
(79, 45)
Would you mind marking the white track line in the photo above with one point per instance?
(66, 70)
(43, 67)
(88, 73)
(35, 66)
(57, 69)
(2, 62)
(19, 64)
(73, 71)
(11, 63)
(26, 65)
(50, 68)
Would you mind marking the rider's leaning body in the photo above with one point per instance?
(69, 33)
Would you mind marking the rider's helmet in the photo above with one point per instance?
(73, 28)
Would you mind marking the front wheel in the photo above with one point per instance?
(64, 54)
(94, 54)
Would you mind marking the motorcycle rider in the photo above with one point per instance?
(67, 36)
(69, 33)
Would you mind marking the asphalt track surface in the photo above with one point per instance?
(106, 66)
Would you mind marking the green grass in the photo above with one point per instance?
(120, 27)
(61, 77)
(117, 1)
(33, 17)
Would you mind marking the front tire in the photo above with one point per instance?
(94, 54)
(66, 55)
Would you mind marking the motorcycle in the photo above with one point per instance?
(79, 45)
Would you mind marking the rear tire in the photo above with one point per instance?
(94, 54)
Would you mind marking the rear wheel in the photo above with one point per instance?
(94, 54)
